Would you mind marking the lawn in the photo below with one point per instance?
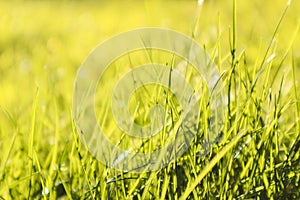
(256, 49)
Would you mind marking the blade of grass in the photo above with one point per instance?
(211, 164)
(31, 139)
(233, 60)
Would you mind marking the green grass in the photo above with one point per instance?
(256, 46)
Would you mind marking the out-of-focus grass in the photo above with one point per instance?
(42, 43)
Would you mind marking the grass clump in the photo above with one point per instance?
(42, 156)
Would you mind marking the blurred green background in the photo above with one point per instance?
(42, 43)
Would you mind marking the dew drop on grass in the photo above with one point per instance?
(45, 192)
(200, 2)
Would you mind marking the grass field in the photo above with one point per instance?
(256, 48)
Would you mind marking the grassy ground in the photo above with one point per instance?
(42, 44)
